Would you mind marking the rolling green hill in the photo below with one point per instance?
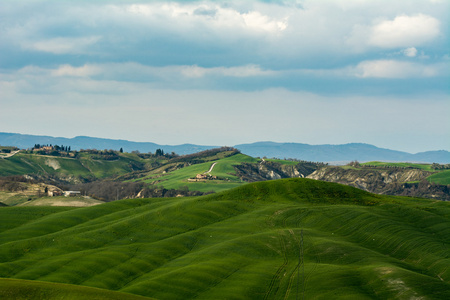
(84, 166)
(26, 289)
(245, 243)
(442, 177)
(223, 170)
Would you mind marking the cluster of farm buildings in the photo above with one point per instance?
(55, 192)
(201, 177)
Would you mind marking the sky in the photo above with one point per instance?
(229, 72)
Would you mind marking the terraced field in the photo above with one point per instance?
(283, 239)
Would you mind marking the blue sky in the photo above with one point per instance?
(229, 72)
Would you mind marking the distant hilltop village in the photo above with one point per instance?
(38, 147)
(54, 150)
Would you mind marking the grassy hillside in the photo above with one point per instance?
(283, 161)
(165, 172)
(223, 169)
(244, 243)
(83, 166)
(27, 289)
(78, 201)
(426, 167)
(440, 177)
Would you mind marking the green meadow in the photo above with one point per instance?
(27, 289)
(283, 161)
(426, 167)
(442, 177)
(83, 166)
(282, 239)
(223, 169)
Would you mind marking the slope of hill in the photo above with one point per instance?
(282, 239)
(218, 174)
(84, 166)
(28, 289)
(390, 178)
(321, 153)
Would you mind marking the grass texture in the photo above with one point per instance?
(442, 177)
(83, 166)
(283, 239)
(426, 167)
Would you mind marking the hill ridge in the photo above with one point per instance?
(324, 153)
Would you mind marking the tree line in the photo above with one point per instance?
(436, 166)
(52, 147)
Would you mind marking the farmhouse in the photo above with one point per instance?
(201, 177)
(55, 193)
(72, 193)
(44, 148)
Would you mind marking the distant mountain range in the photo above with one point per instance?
(320, 153)
(340, 153)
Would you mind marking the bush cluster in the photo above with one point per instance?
(199, 157)
(436, 166)
(13, 183)
(113, 190)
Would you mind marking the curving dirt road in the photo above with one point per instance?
(10, 154)
(210, 169)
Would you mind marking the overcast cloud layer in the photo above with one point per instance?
(229, 72)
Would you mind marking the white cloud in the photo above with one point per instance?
(257, 21)
(395, 69)
(68, 70)
(62, 45)
(240, 71)
(410, 52)
(404, 31)
(110, 78)
(209, 15)
(117, 70)
(276, 34)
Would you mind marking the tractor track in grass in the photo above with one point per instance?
(314, 265)
(277, 276)
(293, 274)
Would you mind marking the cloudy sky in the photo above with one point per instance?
(229, 72)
